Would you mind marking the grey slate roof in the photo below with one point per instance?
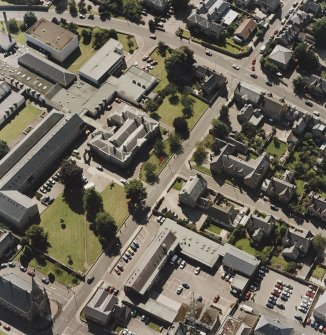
(4, 89)
(281, 54)
(247, 92)
(320, 306)
(268, 326)
(195, 186)
(239, 261)
(47, 69)
(14, 204)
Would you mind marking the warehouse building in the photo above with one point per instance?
(58, 42)
(107, 60)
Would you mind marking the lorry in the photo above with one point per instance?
(246, 308)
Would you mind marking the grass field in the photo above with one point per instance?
(276, 148)
(214, 229)
(76, 240)
(159, 69)
(279, 262)
(202, 169)
(244, 244)
(319, 272)
(169, 112)
(123, 39)
(177, 185)
(19, 123)
(159, 164)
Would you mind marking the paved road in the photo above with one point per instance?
(68, 322)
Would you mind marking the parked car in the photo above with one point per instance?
(308, 103)
(117, 271)
(116, 291)
(270, 306)
(179, 289)
(6, 327)
(216, 299)
(253, 75)
(298, 317)
(274, 208)
(280, 306)
(31, 273)
(197, 271)
(208, 53)
(125, 258)
(268, 83)
(45, 280)
(185, 285)
(11, 264)
(128, 255)
(99, 167)
(90, 279)
(183, 264)
(136, 244)
(236, 66)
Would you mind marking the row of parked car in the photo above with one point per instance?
(282, 291)
(128, 254)
(316, 325)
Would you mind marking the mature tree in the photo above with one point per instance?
(319, 243)
(249, 130)
(200, 154)
(151, 105)
(13, 26)
(298, 84)
(93, 203)
(319, 31)
(162, 47)
(268, 66)
(291, 267)
(72, 8)
(174, 143)
(37, 237)
(180, 125)
(179, 65)
(105, 226)
(86, 35)
(180, 4)
(136, 192)
(132, 10)
(219, 129)
(101, 36)
(151, 25)
(306, 58)
(224, 113)
(72, 27)
(159, 149)
(29, 19)
(150, 171)
(71, 174)
(4, 149)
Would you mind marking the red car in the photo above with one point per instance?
(308, 321)
(117, 272)
(275, 32)
(253, 61)
(275, 294)
(278, 286)
(111, 289)
(216, 299)
(248, 295)
(6, 327)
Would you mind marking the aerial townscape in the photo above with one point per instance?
(163, 167)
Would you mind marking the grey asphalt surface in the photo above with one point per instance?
(68, 322)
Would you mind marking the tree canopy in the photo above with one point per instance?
(180, 4)
(71, 174)
(180, 125)
(319, 31)
(174, 143)
(29, 19)
(319, 243)
(298, 84)
(136, 192)
(105, 226)
(179, 65)
(37, 237)
(101, 36)
(93, 203)
(219, 129)
(306, 58)
(4, 149)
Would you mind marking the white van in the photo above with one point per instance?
(262, 49)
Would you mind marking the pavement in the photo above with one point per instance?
(69, 322)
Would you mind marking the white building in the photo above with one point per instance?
(108, 60)
(58, 42)
(320, 309)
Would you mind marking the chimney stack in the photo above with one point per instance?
(6, 22)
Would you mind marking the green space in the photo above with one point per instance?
(168, 112)
(123, 39)
(276, 148)
(214, 229)
(154, 326)
(300, 186)
(69, 232)
(177, 185)
(279, 262)
(244, 244)
(319, 272)
(159, 69)
(18, 123)
(159, 162)
(201, 168)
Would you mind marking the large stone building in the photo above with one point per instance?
(134, 129)
(55, 40)
(269, 326)
(22, 297)
(157, 6)
(192, 190)
(317, 206)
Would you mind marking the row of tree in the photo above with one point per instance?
(28, 20)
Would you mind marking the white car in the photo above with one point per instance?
(208, 53)
(183, 265)
(179, 289)
(197, 271)
(236, 66)
(283, 21)
(123, 181)
(316, 113)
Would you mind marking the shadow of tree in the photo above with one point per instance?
(74, 199)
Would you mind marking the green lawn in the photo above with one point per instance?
(202, 169)
(244, 244)
(279, 262)
(18, 123)
(159, 69)
(154, 326)
(123, 39)
(214, 229)
(177, 185)
(276, 148)
(159, 163)
(169, 112)
(319, 272)
(76, 239)
(300, 186)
